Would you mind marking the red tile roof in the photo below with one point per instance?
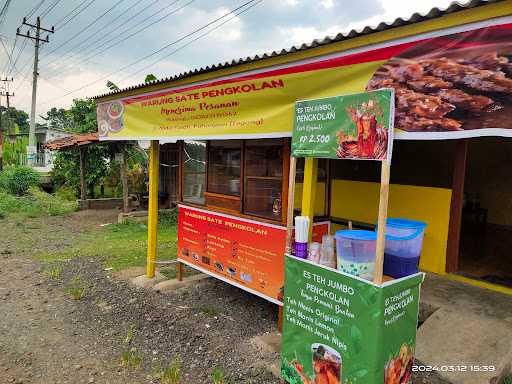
(73, 141)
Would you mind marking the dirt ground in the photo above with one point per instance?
(47, 337)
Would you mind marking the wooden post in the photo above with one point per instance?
(383, 213)
(179, 271)
(309, 191)
(280, 319)
(83, 188)
(290, 205)
(124, 178)
(154, 163)
(459, 173)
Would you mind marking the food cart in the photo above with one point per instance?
(233, 123)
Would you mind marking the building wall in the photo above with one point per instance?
(489, 177)
(359, 201)
(421, 178)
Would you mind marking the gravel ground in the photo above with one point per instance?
(204, 327)
(47, 337)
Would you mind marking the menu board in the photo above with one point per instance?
(342, 329)
(246, 253)
(357, 126)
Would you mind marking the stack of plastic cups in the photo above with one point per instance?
(327, 256)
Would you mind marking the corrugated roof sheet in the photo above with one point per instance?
(69, 142)
(400, 22)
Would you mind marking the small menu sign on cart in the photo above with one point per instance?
(340, 329)
(357, 126)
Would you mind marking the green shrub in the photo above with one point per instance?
(168, 217)
(66, 193)
(34, 203)
(18, 180)
(51, 204)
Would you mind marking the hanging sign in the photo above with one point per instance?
(245, 253)
(341, 329)
(358, 126)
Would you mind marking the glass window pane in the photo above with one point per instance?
(194, 171)
(224, 158)
(263, 178)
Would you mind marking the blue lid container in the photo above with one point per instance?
(356, 245)
(404, 241)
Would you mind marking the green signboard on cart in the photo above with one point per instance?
(357, 126)
(340, 329)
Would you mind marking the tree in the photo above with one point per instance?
(17, 116)
(149, 78)
(58, 119)
(114, 87)
(82, 119)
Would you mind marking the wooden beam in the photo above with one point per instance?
(289, 205)
(83, 188)
(383, 213)
(124, 178)
(309, 191)
(154, 164)
(459, 175)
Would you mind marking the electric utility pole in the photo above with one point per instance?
(7, 94)
(31, 150)
(1, 139)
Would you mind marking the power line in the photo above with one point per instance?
(91, 55)
(155, 52)
(49, 8)
(53, 84)
(3, 12)
(100, 30)
(87, 27)
(193, 40)
(13, 67)
(74, 16)
(24, 77)
(34, 10)
(9, 55)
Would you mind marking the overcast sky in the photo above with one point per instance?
(77, 60)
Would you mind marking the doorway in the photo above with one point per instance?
(485, 250)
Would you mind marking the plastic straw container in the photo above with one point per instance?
(356, 252)
(301, 236)
(404, 241)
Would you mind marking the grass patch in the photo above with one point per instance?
(119, 246)
(171, 273)
(209, 311)
(53, 272)
(219, 376)
(172, 373)
(36, 203)
(130, 334)
(508, 380)
(131, 358)
(76, 288)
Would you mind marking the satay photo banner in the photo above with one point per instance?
(450, 83)
(340, 329)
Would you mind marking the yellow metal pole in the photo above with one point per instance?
(309, 191)
(154, 163)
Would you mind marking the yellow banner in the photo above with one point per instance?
(255, 107)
